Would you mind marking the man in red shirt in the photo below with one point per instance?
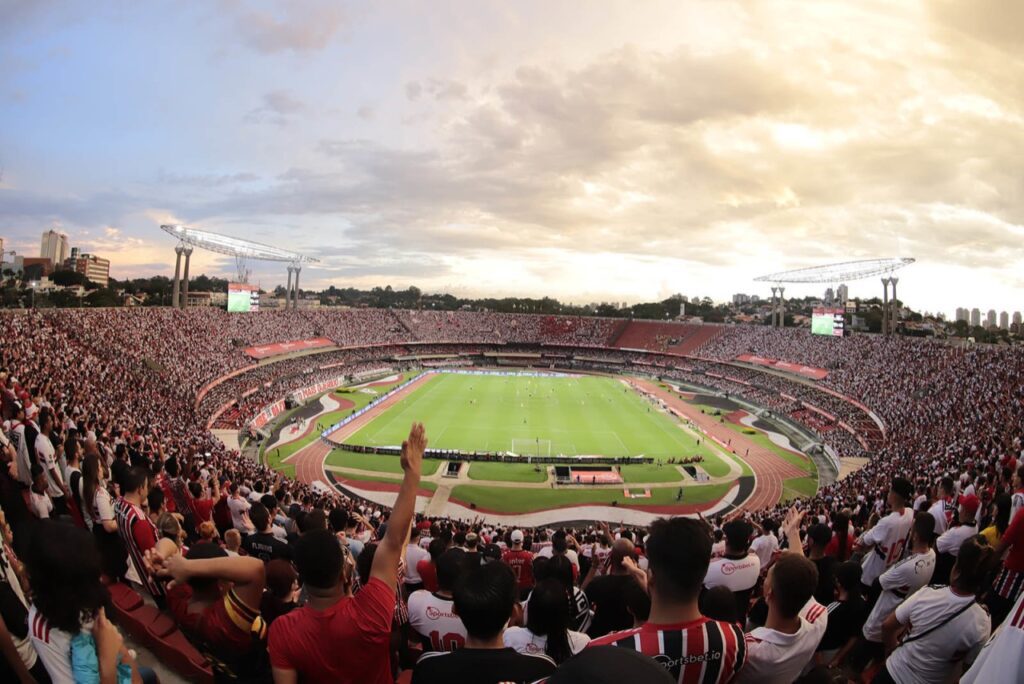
(1010, 582)
(338, 637)
(690, 646)
(521, 562)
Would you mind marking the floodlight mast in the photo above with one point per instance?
(241, 250)
(838, 273)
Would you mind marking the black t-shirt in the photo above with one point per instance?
(266, 547)
(608, 595)
(845, 619)
(825, 592)
(481, 666)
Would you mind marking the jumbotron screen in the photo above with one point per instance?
(827, 322)
(243, 298)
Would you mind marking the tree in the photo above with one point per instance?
(69, 278)
(102, 297)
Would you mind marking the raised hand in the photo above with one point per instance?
(413, 448)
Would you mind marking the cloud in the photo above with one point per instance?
(276, 27)
(279, 108)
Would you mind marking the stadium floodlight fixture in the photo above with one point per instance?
(231, 246)
(838, 273)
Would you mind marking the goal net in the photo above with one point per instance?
(531, 447)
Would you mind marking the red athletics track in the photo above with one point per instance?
(769, 468)
(309, 462)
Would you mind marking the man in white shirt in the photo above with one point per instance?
(899, 582)
(766, 544)
(779, 651)
(942, 510)
(414, 553)
(431, 615)
(739, 568)
(239, 507)
(950, 541)
(46, 456)
(884, 543)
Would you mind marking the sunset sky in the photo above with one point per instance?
(591, 151)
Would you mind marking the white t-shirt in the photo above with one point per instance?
(46, 456)
(931, 658)
(737, 575)
(525, 641)
(898, 582)
(765, 546)
(951, 540)
(53, 647)
(549, 552)
(239, 507)
(41, 505)
(433, 618)
(1002, 658)
(773, 656)
(888, 538)
(1016, 502)
(942, 511)
(413, 555)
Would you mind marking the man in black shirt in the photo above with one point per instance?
(484, 601)
(263, 544)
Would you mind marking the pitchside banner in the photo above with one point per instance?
(267, 350)
(795, 368)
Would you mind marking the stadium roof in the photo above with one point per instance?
(834, 273)
(236, 247)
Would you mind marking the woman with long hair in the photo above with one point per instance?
(547, 625)
(69, 629)
(999, 519)
(99, 516)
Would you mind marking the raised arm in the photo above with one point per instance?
(791, 529)
(246, 572)
(389, 553)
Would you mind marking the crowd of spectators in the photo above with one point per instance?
(106, 462)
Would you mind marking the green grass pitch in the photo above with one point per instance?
(575, 415)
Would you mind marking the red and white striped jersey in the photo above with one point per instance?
(703, 650)
(53, 647)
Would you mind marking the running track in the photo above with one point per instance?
(309, 461)
(769, 468)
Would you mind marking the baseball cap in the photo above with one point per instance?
(970, 503)
(492, 552)
(516, 536)
(610, 665)
(903, 488)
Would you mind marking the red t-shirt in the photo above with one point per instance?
(521, 563)
(428, 574)
(1014, 538)
(225, 625)
(357, 630)
(832, 549)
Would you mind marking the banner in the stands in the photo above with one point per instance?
(264, 351)
(785, 366)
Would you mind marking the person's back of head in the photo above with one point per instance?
(819, 535)
(946, 486)
(718, 603)
(270, 502)
(436, 547)
(64, 567)
(923, 527)
(790, 584)
(848, 578)
(485, 599)
(134, 480)
(155, 500)
(558, 542)
(737, 535)
(318, 558)
(559, 568)
(549, 615)
(260, 517)
(974, 561)
(232, 540)
(313, 521)
(621, 550)
(451, 566)
(678, 555)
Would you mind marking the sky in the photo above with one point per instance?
(611, 151)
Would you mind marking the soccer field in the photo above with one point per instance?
(537, 415)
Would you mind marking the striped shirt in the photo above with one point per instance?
(138, 533)
(703, 650)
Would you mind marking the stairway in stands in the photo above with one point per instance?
(700, 337)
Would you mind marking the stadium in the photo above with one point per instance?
(511, 343)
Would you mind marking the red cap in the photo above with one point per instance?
(970, 503)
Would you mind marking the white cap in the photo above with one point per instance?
(516, 536)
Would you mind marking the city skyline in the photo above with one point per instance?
(529, 150)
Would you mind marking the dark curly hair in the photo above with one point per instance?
(64, 568)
